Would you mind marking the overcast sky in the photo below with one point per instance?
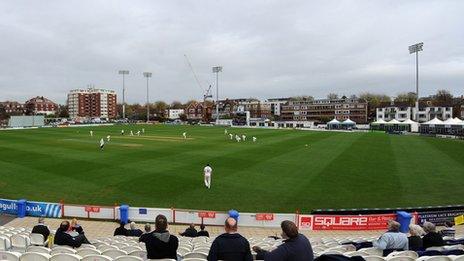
(267, 48)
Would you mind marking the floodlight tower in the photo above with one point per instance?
(147, 75)
(416, 48)
(123, 72)
(217, 70)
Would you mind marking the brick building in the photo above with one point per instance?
(92, 103)
(40, 105)
(13, 107)
(197, 111)
(324, 110)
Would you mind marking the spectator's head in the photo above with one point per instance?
(393, 226)
(416, 230)
(449, 224)
(147, 228)
(192, 226)
(289, 229)
(64, 226)
(161, 223)
(230, 226)
(429, 227)
(202, 227)
(132, 225)
(122, 224)
(74, 222)
(41, 220)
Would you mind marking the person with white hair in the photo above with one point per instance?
(415, 240)
(134, 231)
(392, 240)
(431, 238)
(41, 228)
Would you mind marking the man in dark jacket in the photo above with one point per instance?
(296, 247)
(432, 238)
(121, 230)
(230, 246)
(202, 232)
(42, 229)
(134, 231)
(159, 243)
(62, 237)
(190, 231)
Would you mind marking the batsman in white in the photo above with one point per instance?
(207, 172)
(102, 143)
(184, 135)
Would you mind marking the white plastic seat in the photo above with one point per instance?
(400, 258)
(83, 246)
(373, 258)
(412, 254)
(63, 250)
(5, 243)
(194, 259)
(458, 258)
(88, 251)
(106, 247)
(37, 239)
(195, 255)
(96, 258)
(128, 258)
(65, 257)
(113, 253)
(372, 251)
(10, 256)
(38, 249)
(129, 249)
(20, 241)
(439, 258)
(139, 253)
(31, 256)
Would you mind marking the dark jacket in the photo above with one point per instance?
(189, 232)
(64, 239)
(121, 231)
(202, 233)
(134, 232)
(295, 249)
(160, 244)
(41, 229)
(415, 243)
(230, 247)
(432, 239)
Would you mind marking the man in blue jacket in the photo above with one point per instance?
(296, 247)
(230, 246)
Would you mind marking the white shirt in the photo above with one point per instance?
(102, 142)
(207, 170)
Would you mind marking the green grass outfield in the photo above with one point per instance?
(278, 173)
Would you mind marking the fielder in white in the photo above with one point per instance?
(231, 136)
(143, 130)
(102, 143)
(184, 135)
(138, 133)
(208, 171)
(91, 133)
(238, 138)
(122, 132)
(243, 137)
(254, 139)
(132, 133)
(225, 131)
(108, 138)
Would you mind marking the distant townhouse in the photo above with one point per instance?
(276, 105)
(403, 111)
(40, 105)
(174, 114)
(324, 110)
(13, 107)
(197, 111)
(92, 103)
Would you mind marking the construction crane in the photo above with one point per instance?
(207, 94)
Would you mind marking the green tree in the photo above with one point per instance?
(409, 97)
(332, 96)
(176, 105)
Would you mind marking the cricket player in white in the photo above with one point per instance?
(237, 138)
(254, 139)
(102, 143)
(91, 133)
(231, 136)
(225, 131)
(143, 130)
(122, 132)
(208, 171)
(132, 133)
(184, 135)
(108, 138)
(243, 137)
(138, 133)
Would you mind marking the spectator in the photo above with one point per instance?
(202, 232)
(147, 229)
(449, 230)
(76, 227)
(134, 231)
(159, 243)
(295, 247)
(431, 238)
(63, 238)
(415, 240)
(190, 231)
(231, 245)
(121, 230)
(392, 240)
(41, 228)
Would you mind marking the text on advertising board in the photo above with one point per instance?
(94, 209)
(264, 216)
(207, 214)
